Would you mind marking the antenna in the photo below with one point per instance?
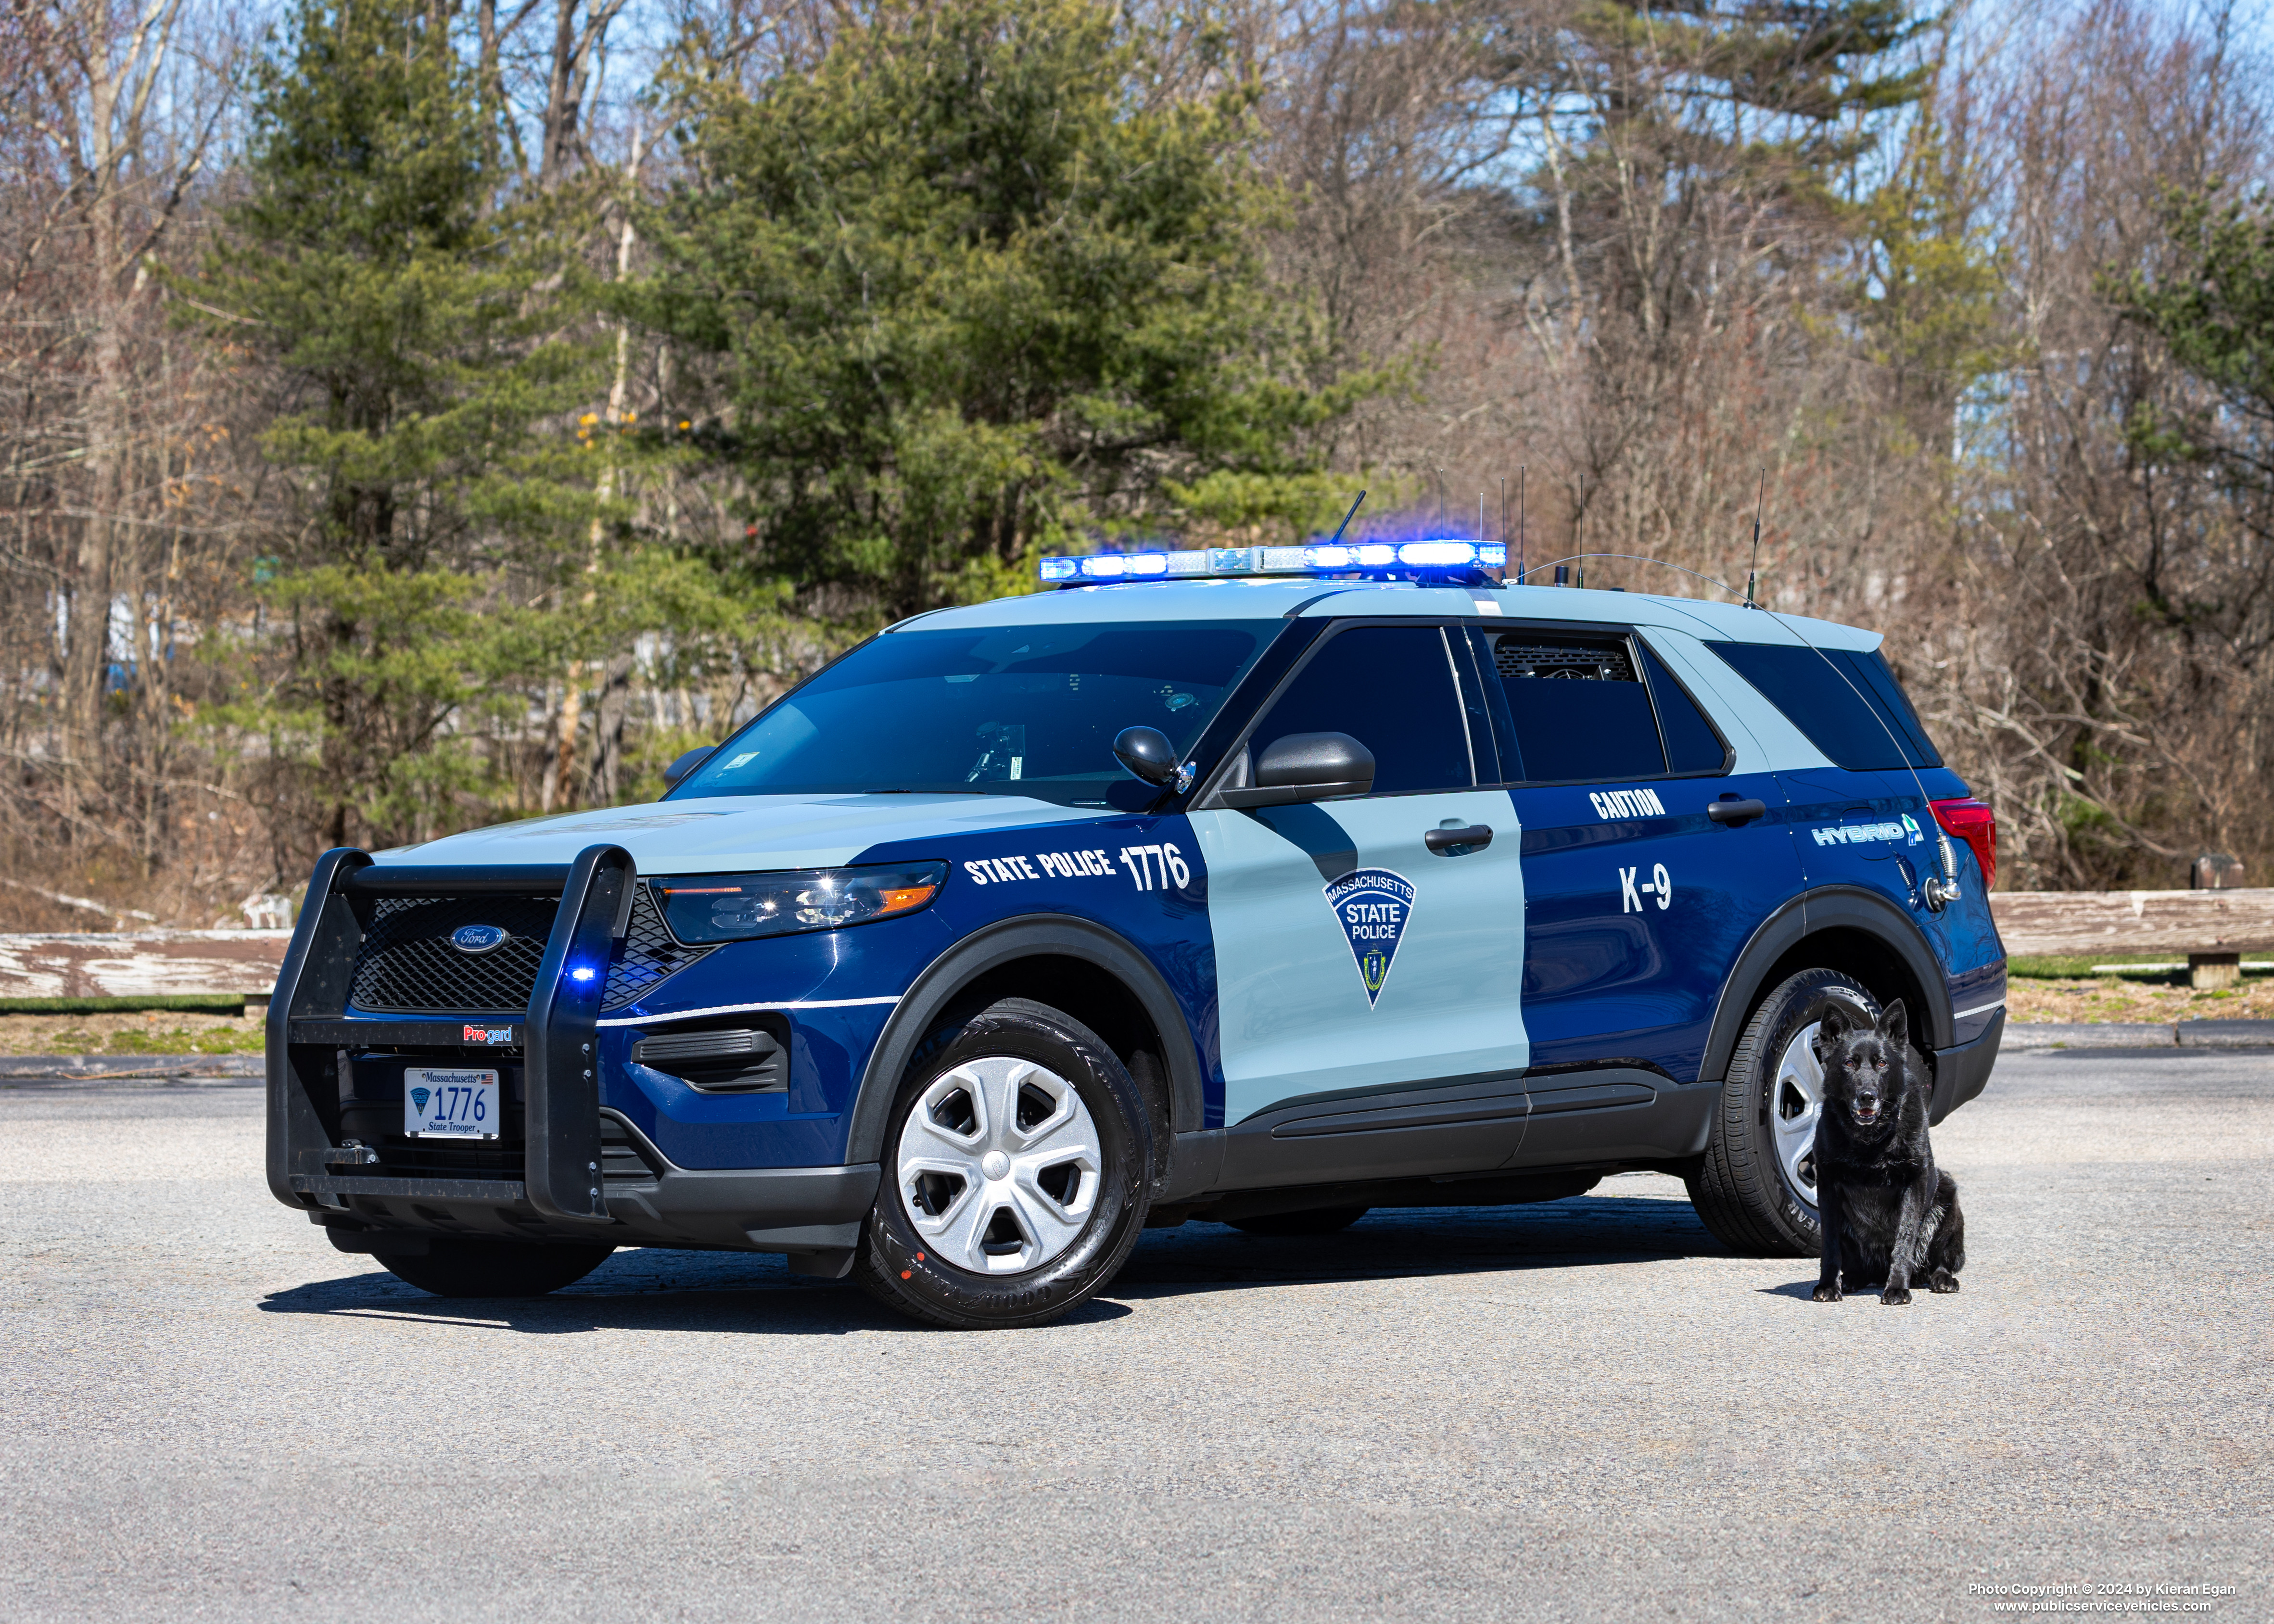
(1753, 568)
(1519, 525)
(1503, 529)
(1347, 517)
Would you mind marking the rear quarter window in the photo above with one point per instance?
(1846, 701)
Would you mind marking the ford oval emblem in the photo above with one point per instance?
(477, 938)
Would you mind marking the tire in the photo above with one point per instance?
(1018, 1165)
(1753, 1188)
(496, 1269)
(1317, 1221)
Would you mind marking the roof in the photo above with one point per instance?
(1286, 597)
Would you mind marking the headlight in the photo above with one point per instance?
(735, 907)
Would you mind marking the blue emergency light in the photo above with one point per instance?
(1317, 559)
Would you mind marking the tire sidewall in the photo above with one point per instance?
(1798, 1004)
(900, 1260)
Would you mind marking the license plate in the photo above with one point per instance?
(449, 1103)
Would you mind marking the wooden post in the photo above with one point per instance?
(2209, 970)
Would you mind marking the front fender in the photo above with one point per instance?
(1042, 935)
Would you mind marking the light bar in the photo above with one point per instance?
(1439, 554)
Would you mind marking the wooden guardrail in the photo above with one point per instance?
(141, 964)
(2213, 928)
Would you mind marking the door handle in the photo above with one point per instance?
(1734, 811)
(1453, 842)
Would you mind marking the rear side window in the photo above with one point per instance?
(1391, 689)
(1578, 708)
(1692, 745)
(1847, 701)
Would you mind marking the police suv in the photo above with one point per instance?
(1260, 886)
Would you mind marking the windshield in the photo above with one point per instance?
(1022, 711)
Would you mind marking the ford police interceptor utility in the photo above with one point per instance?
(1262, 886)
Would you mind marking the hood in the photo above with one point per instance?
(717, 834)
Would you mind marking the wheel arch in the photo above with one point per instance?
(1096, 977)
(1842, 927)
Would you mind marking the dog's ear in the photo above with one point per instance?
(1895, 1023)
(1830, 1029)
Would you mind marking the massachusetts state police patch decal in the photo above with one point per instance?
(1373, 905)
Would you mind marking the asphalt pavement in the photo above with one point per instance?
(1582, 1411)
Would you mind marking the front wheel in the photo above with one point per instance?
(1016, 1165)
(1756, 1188)
(494, 1268)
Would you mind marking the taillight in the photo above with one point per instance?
(1973, 822)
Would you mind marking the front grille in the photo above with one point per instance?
(407, 965)
(646, 955)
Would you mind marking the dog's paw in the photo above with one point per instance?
(1943, 1283)
(1894, 1297)
(1828, 1293)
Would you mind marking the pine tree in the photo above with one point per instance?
(404, 309)
(966, 294)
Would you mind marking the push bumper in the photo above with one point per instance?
(586, 1174)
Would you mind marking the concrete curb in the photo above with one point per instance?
(2140, 1034)
(126, 1068)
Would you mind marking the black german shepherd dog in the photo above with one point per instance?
(1889, 1214)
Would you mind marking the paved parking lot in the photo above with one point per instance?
(1578, 1410)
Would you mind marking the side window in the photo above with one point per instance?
(1847, 701)
(1578, 707)
(1391, 689)
(1692, 743)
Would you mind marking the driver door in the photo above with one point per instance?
(1351, 959)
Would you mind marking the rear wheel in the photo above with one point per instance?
(494, 1268)
(1317, 1221)
(1756, 1188)
(1018, 1173)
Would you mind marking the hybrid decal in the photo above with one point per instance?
(1905, 832)
(1610, 803)
(1148, 868)
(1373, 906)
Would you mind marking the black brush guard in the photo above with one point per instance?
(307, 1026)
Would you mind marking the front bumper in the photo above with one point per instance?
(580, 1173)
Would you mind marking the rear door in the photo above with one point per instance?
(1350, 957)
(1639, 896)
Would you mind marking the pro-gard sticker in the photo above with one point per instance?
(1373, 905)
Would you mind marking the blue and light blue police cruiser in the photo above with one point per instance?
(1262, 886)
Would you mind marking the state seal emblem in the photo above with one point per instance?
(1372, 906)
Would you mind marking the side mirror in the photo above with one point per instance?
(1306, 767)
(686, 765)
(1147, 752)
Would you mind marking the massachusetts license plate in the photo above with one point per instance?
(449, 1103)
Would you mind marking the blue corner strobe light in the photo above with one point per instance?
(583, 973)
(1317, 559)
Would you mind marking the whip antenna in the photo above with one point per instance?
(1519, 525)
(1347, 517)
(1752, 569)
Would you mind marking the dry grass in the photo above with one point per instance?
(2110, 998)
(151, 1031)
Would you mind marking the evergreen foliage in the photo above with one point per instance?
(968, 292)
(409, 313)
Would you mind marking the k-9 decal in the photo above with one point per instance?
(1373, 906)
(1659, 885)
